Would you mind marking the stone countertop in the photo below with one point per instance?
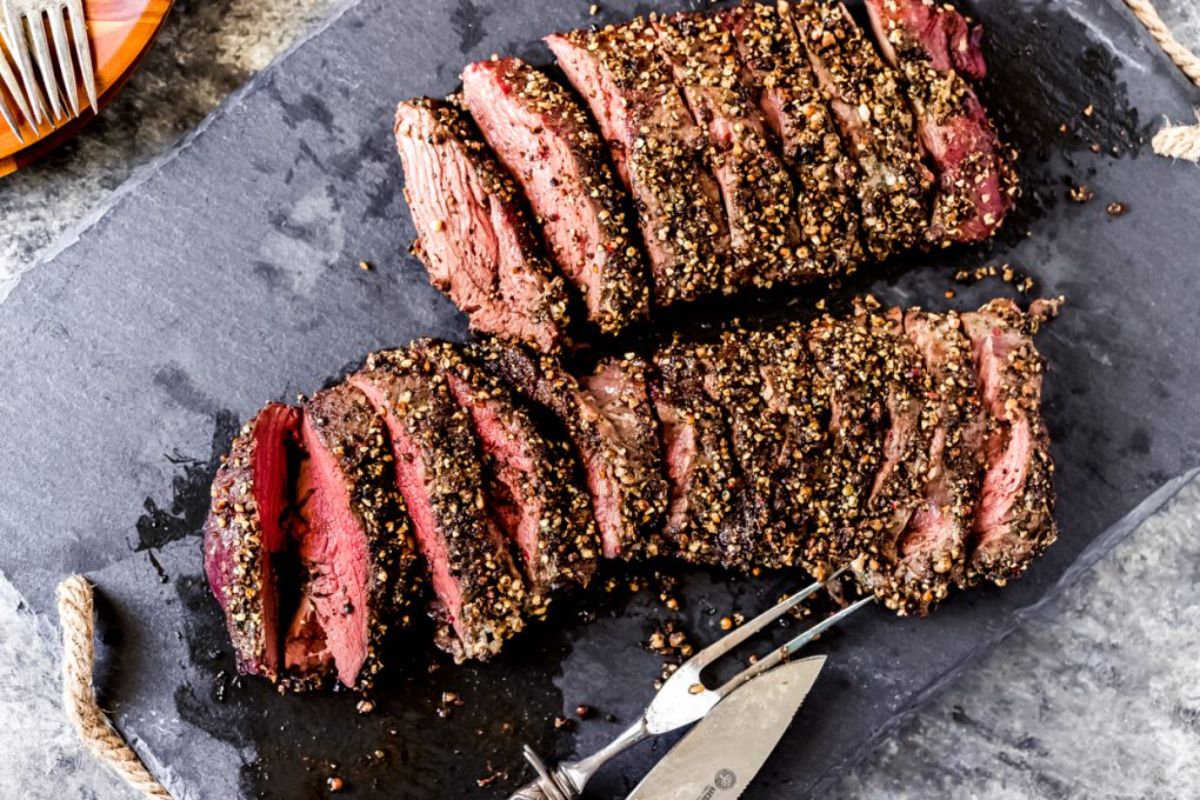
(1097, 696)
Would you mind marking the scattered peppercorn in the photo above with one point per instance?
(335, 784)
(365, 266)
(583, 711)
(1116, 209)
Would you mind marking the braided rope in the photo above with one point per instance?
(75, 611)
(1173, 141)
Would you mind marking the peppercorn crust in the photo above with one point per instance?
(440, 467)
(542, 480)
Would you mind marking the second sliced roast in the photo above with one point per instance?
(439, 471)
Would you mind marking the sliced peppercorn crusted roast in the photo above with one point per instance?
(355, 548)
(473, 233)
(533, 479)
(245, 529)
(439, 471)
(908, 445)
(544, 138)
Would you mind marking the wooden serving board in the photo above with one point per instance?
(120, 34)
(230, 277)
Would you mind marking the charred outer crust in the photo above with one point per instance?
(667, 167)
(624, 295)
(542, 379)
(775, 62)
(894, 209)
(493, 593)
(355, 435)
(233, 531)
(568, 545)
(455, 124)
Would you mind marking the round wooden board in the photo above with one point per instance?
(120, 32)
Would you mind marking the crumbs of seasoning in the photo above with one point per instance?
(365, 266)
(1089, 110)
(594, 9)
(334, 783)
(1081, 193)
(583, 711)
(564, 724)
(1116, 209)
(365, 706)
(949, 294)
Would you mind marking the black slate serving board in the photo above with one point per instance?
(228, 276)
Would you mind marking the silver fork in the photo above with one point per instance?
(42, 67)
(683, 699)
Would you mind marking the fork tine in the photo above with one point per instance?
(83, 49)
(45, 62)
(781, 653)
(18, 96)
(732, 640)
(62, 52)
(13, 31)
(6, 114)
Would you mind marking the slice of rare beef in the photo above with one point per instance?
(760, 200)
(869, 107)
(659, 152)
(532, 479)
(439, 470)
(932, 550)
(543, 136)
(609, 420)
(1015, 519)
(775, 66)
(704, 488)
(938, 52)
(473, 235)
(355, 547)
(244, 529)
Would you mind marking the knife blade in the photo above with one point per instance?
(726, 749)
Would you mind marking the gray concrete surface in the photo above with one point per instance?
(1098, 696)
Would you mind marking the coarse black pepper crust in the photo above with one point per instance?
(547, 484)
(775, 65)
(629, 492)
(759, 196)
(237, 560)
(537, 316)
(1006, 548)
(353, 432)
(446, 460)
(877, 126)
(702, 526)
(612, 273)
(663, 158)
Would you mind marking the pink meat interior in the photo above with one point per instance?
(333, 547)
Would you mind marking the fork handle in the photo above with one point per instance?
(571, 776)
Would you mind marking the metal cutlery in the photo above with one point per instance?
(49, 67)
(684, 698)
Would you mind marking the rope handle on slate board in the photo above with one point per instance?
(75, 593)
(1173, 141)
(75, 613)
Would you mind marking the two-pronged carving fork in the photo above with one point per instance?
(47, 41)
(683, 699)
